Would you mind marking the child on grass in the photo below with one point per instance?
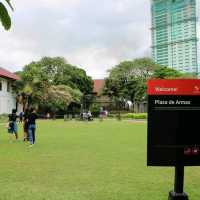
(12, 125)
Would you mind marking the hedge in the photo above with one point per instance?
(134, 116)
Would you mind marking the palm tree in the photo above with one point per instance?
(24, 93)
(4, 15)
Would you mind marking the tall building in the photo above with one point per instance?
(175, 29)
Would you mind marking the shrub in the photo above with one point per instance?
(95, 110)
(134, 116)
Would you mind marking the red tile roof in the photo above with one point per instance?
(9, 75)
(98, 85)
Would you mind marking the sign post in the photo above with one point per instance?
(173, 124)
(178, 193)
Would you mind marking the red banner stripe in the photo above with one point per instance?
(174, 87)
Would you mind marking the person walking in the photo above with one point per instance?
(32, 126)
(12, 124)
(89, 116)
(21, 115)
(25, 125)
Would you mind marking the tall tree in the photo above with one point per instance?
(4, 15)
(128, 79)
(56, 71)
(53, 81)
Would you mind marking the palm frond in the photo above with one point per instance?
(8, 2)
(5, 17)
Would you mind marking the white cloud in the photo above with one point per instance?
(92, 34)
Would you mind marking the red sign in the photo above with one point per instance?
(174, 87)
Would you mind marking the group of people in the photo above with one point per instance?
(86, 116)
(28, 118)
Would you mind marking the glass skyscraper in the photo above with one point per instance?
(175, 29)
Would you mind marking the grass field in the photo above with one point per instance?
(85, 161)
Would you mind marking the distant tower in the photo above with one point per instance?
(175, 34)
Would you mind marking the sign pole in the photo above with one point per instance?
(179, 179)
(178, 193)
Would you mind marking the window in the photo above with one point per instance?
(8, 86)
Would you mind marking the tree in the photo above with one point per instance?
(52, 82)
(127, 81)
(4, 15)
(166, 73)
(56, 97)
(56, 71)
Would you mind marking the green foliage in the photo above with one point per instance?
(166, 73)
(95, 109)
(134, 116)
(28, 89)
(128, 79)
(57, 97)
(76, 94)
(56, 71)
(87, 101)
(190, 76)
(52, 81)
(5, 17)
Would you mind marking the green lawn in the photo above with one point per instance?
(85, 161)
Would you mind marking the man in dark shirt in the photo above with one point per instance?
(32, 126)
(12, 124)
(25, 125)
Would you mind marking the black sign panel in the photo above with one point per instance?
(173, 122)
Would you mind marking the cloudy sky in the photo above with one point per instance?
(94, 35)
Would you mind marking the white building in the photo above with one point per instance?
(7, 95)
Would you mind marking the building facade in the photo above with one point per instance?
(7, 94)
(98, 86)
(175, 30)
